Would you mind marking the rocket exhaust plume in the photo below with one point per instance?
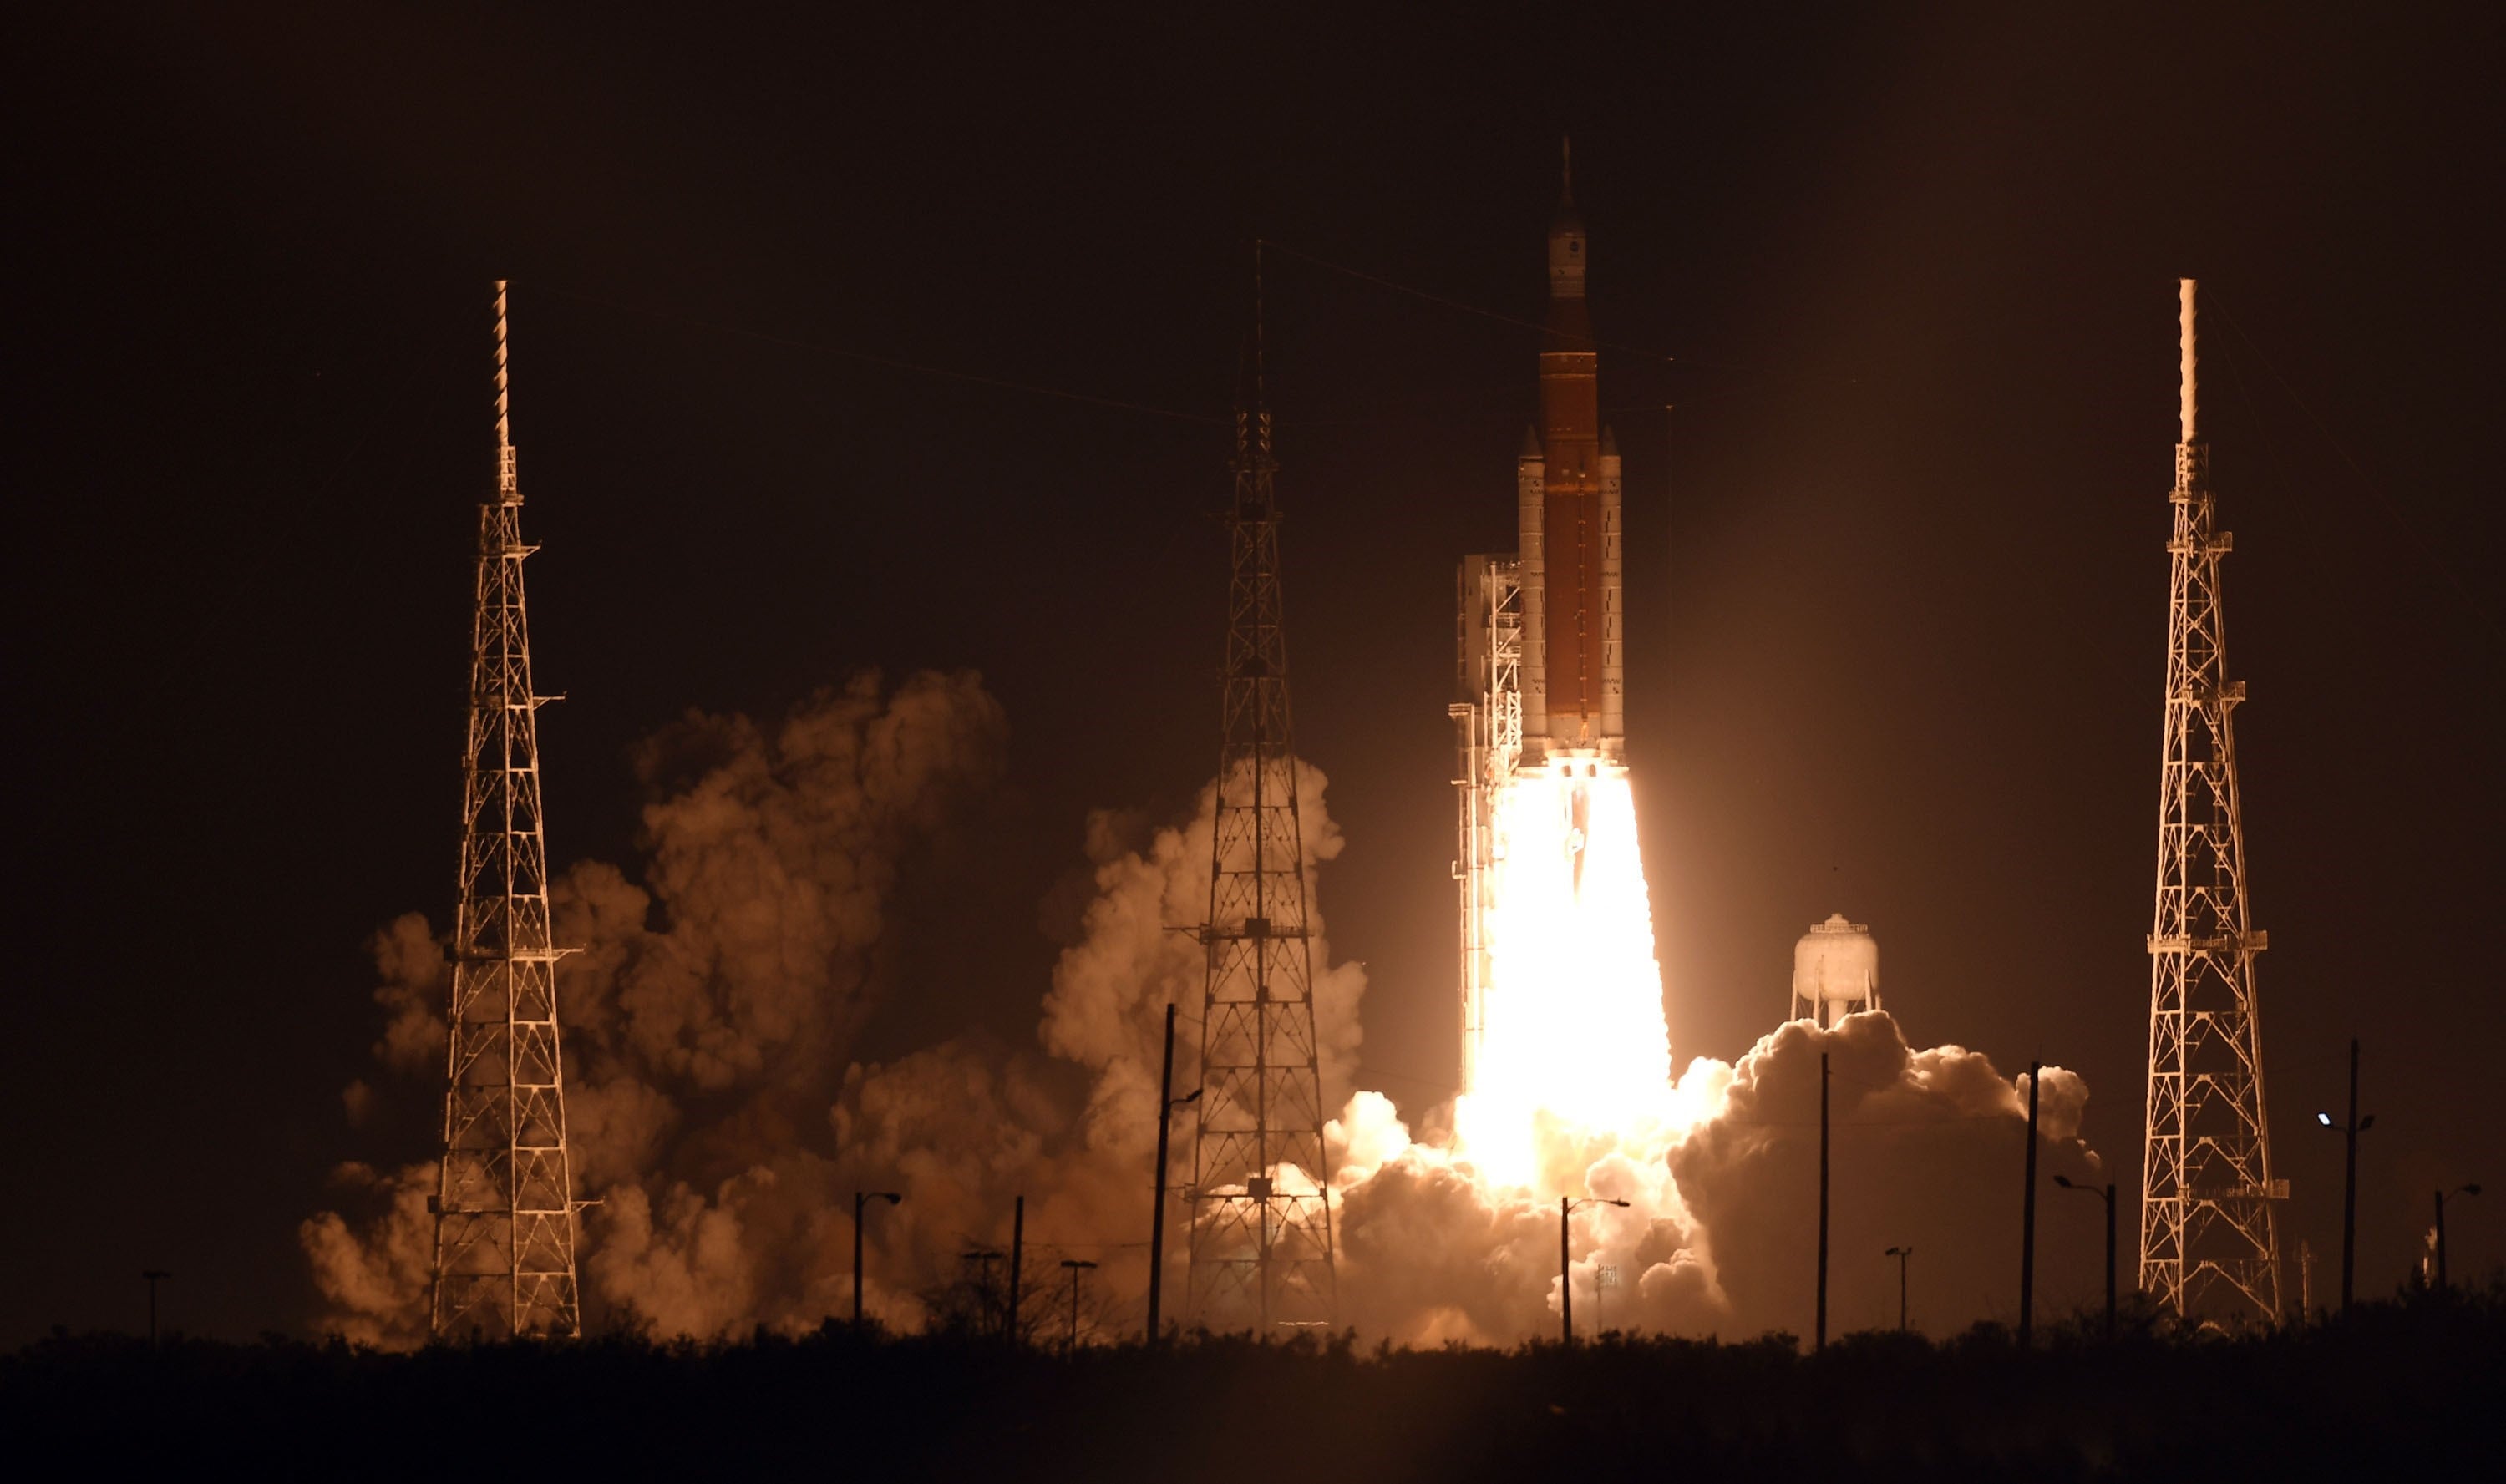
(1562, 1018)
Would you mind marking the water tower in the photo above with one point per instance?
(1835, 971)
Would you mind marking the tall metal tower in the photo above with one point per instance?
(2209, 1247)
(504, 1230)
(1261, 1206)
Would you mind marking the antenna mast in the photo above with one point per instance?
(1261, 1204)
(504, 1207)
(2208, 1241)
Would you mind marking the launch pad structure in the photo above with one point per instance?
(2210, 1249)
(504, 1207)
(1262, 1252)
(1540, 634)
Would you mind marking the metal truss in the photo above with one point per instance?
(504, 1207)
(1490, 727)
(2209, 1247)
(1261, 1202)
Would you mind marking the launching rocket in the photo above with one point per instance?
(1567, 495)
(1541, 669)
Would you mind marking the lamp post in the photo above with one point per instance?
(983, 1258)
(1819, 1342)
(1168, 1103)
(2349, 1178)
(1568, 1206)
(1076, 1267)
(2027, 1218)
(861, 1204)
(1901, 1253)
(153, 1274)
(2442, 1197)
(2107, 1195)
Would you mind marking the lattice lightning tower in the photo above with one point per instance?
(2208, 1244)
(1261, 1212)
(504, 1233)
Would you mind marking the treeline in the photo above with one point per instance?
(2395, 1386)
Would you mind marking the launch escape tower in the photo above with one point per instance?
(504, 1207)
(1540, 634)
(1260, 1251)
(2208, 1244)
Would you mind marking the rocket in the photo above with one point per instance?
(1567, 496)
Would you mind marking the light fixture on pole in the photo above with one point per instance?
(861, 1204)
(1901, 1253)
(1568, 1206)
(153, 1274)
(2442, 1197)
(2350, 1131)
(983, 1258)
(2106, 1194)
(1075, 1267)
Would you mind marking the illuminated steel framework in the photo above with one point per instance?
(1488, 726)
(1261, 1208)
(504, 1207)
(2208, 1242)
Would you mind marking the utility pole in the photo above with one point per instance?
(861, 1204)
(1820, 1343)
(2210, 1243)
(984, 1258)
(2108, 1195)
(1566, 1207)
(1901, 1253)
(2442, 1197)
(1018, 1267)
(2027, 1218)
(1075, 1268)
(1565, 1275)
(1168, 1103)
(153, 1274)
(2349, 1132)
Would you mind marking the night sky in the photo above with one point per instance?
(1895, 562)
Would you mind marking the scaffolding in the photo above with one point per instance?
(2209, 1247)
(1489, 725)
(504, 1207)
(1261, 1250)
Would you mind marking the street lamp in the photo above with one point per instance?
(1076, 1266)
(861, 1203)
(984, 1258)
(153, 1274)
(1568, 1206)
(2349, 1178)
(1901, 1253)
(2107, 1194)
(2442, 1197)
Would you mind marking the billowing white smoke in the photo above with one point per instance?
(706, 1019)
(718, 1116)
(713, 1108)
(1719, 1235)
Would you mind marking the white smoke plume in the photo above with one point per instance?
(717, 1113)
(713, 1108)
(709, 1016)
(1720, 1232)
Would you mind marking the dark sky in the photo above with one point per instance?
(1896, 561)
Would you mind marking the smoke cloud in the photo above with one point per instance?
(718, 1113)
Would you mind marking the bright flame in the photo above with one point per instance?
(1574, 1041)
